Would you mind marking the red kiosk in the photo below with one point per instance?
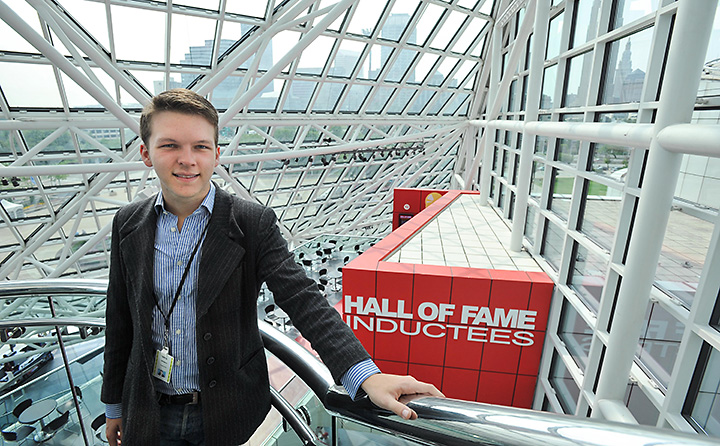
(475, 333)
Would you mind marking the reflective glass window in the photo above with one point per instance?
(401, 65)
(554, 34)
(355, 98)
(575, 333)
(366, 16)
(328, 97)
(561, 193)
(147, 46)
(243, 7)
(531, 224)
(682, 257)
(640, 406)
(660, 343)
(553, 244)
(428, 22)
(566, 389)
(548, 87)
(578, 72)
(625, 66)
(586, 19)
(346, 59)
(379, 100)
(191, 40)
(702, 406)
(299, 95)
(610, 161)
(402, 97)
(397, 21)
(588, 276)
(629, 11)
(536, 180)
(26, 85)
(450, 27)
(314, 57)
(601, 209)
(423, 67)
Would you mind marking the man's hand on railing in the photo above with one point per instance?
(385, 391)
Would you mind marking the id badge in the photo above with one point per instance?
(163, 365)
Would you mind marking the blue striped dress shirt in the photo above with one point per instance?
(172, 252)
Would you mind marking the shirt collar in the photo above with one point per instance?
(208, 202)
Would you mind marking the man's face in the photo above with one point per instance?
(182, 150)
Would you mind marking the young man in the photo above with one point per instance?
(184, 360)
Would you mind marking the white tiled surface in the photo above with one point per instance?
(464, 234)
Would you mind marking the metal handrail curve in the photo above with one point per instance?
(440, 420)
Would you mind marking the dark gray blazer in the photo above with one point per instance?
(243, 249)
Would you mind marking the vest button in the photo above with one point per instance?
(207, 336)
(210, 360)
(212, 384)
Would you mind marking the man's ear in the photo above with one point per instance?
(217, 156)
(145, 154)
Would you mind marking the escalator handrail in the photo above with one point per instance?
(441, 420)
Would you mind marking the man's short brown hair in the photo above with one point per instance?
(179, 100)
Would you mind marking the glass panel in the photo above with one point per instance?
(401, 100)
(366, 16)
(586, 20)
(566, 389)
(548, 87)
(554, 34)
(640, 406)
(127, 46)
(380, 99)
(401, 65)
(531, 224)
(191, 40)
(442, 72)
(26, 85)
(553, 244)
(449, 29)
(328, 97)
(588, 276)
(577, 80)
(299, 95)
(244, 7)
(706, 407)
(601, 211)
(629, 11)
(562, 193)
(471, 32)
(90, 14)
(682, 258)
(541, 145)
(12, 41)
(575, 333)
(610, 161)
(314, 57)
(372, 64)
(397, 21)
(420, 101)
(428, 22)
(660, 343)
(78, 97)
(423, 67)
(624, 76)
(346, 58)
(355, 97)
(536, 180)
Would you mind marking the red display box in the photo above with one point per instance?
(476, 334)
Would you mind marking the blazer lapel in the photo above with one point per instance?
(137, 248)
(221, 252)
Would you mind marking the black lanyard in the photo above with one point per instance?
(179, 288)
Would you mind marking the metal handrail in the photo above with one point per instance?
(441, 420)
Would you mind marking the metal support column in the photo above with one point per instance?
(531, 114)
(693, 25)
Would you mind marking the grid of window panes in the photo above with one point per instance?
(319, 126)
(602, 64)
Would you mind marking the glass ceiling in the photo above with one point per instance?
(325, 106)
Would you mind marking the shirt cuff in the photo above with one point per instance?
(113, 410)
(356, 375)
